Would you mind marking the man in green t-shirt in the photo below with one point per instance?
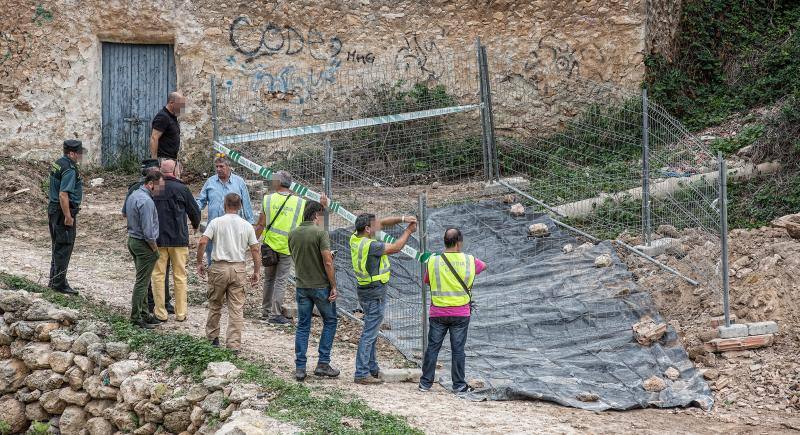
(310, 247)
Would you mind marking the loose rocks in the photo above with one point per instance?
(654, 384)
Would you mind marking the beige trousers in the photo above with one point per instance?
(226, 280)
(177, 257)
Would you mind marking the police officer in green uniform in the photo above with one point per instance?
(66, 192)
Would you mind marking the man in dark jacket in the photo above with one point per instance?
(151, 165)
(174, 204)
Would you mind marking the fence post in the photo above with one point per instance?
(214, 121)
(494, 164)
(422, 227)
(482, 102)
(723, 219)
(327, 180)
(646, 230)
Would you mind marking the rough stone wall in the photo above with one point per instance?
(663, 18)
(50, 52)
(61, 371)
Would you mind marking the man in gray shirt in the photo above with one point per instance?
(142, 234)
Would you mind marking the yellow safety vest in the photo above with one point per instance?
(446, 291)
(278, 235)
(359, 250)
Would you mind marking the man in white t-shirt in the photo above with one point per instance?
(232, 237)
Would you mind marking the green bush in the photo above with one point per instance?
(746, 137)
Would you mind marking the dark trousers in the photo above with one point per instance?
(150, 303)
(439, 327)
(63, 240)
(144, 259)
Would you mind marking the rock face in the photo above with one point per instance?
(65, 374)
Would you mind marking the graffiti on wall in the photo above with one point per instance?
(420, 54)
(270, 39)
(554, 60)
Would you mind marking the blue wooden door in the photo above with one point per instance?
(136, 82)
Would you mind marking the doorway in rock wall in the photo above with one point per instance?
(136, 81)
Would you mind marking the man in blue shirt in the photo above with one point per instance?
(66, 192)
(142, 234)
(213, 195)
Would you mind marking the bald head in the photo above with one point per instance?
(168, 167)
(452, 238)
(175, 103)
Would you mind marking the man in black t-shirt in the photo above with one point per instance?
(165, 140)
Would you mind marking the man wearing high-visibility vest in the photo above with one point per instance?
(281, 212)
(371, 266)
(451, 297)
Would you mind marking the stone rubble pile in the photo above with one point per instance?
(56, 367)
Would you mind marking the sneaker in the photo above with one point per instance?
(144, 325)
(423, 388)
(279, 320)
(300, 374)
(326, 370)
(467, 389)
(369, 380)
(215, 342)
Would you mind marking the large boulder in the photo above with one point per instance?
(81, 344)
(38, 310)
(213, 403)
(80, 398)
(52, 403)
(12, 375)
(121, 370)
(248, 421)
(241, 392)
(61, 340)
(36, 356)
(75, 377)
(44, 380)
(118, 350)
(196, 393)
(222, 369)
(121, 417)
(178, 421)
(15, 301)
(176, 404)
(35, 412)
(100, 426)
(12, 411)
(149, 412)
(44, 329)
(60, 361)
(97, 407)
(84, 363)
(94, 386)
(135, 388)
(72, 421)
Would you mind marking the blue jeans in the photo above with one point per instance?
(209, 248)
(366, 358)
(307, 298)
(439, 326)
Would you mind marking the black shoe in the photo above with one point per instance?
(280, 320)
(144, 325)
(170, 309)
(153, 320)
(377, 374)
(467, 389)
(300, 374)
(66, 291)
(326, 370)
(215, 342)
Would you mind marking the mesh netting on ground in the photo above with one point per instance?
(549, 324)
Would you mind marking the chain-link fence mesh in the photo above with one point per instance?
(573, 149)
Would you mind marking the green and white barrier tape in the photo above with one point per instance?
(305, 192)
(343, 125)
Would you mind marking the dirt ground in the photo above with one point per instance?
(102, 269)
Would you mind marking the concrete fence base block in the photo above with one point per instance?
(658, 247)
(401, 375)
(762, 328)
(720, 320)
(733, 331)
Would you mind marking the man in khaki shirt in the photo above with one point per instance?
(232, 237)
